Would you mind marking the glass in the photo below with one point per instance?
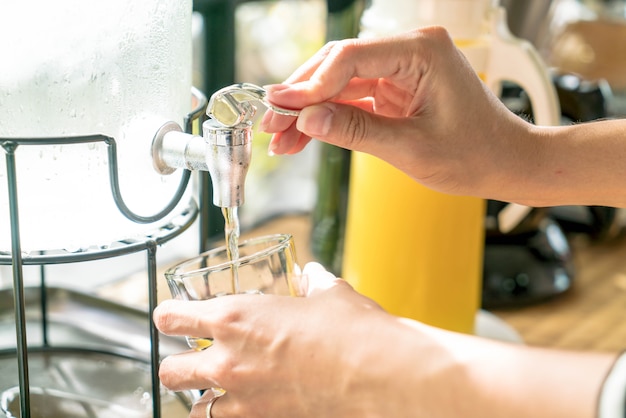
(266, 265)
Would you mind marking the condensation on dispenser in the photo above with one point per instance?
(76, 67)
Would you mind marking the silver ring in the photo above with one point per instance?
(209, 406)
(217, 393)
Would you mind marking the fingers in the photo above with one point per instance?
(380, 76)
(211, 318)
(206, 406)
(305, 70)
(199, 408)
(290, 141)
(176, 317)
(318, 278)
(346, 126)
(191, 369)
(392, 139)
(351, 69)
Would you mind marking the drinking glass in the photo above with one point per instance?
(263, 265)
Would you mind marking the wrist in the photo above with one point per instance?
(505, 165)
(537, 382)
(522, 157)
(569, 165)
(435, 370)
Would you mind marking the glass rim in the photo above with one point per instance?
(282, 240)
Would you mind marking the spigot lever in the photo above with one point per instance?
(234, 104)
(225, 148)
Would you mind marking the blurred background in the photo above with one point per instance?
(271, 39)
(555, 275)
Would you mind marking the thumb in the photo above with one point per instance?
(319, 279)
(347, 127)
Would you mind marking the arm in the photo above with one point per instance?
(581, 164)
(492, 379)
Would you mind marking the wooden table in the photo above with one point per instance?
(592, 315)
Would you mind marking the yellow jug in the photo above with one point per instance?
(417, 252)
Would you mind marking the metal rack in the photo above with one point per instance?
(148, 244)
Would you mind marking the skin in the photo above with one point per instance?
(414, 101)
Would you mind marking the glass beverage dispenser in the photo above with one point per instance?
(74, 67)
(99, 110)
(84, 88)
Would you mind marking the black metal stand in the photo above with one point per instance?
(123, 247)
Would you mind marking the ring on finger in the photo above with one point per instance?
(209, 406)
(217, 393)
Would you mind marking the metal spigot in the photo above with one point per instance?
(225, 148)
(224, 152)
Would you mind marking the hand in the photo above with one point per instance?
(275, 356)
(337, 354)
(412, 100)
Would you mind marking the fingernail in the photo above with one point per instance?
(273, 88)
(271, 151)
(265, 121)
(312, 267)
(315, 121)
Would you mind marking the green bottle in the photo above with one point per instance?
(329, 212)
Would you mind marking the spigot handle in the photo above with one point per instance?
(234, 105)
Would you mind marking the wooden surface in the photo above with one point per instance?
(592, 315)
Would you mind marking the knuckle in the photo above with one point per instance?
(329, 46)
(355, 130)
(223, 370)
(227, 314)
(342, 50)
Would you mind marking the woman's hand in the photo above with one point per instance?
(275, 356)
(412, 100)
(336, 353)
(333, 353)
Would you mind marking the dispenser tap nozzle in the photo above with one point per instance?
(224, 152)
(229, 151)
(225, 148)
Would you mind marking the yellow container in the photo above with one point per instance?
(417, 252)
